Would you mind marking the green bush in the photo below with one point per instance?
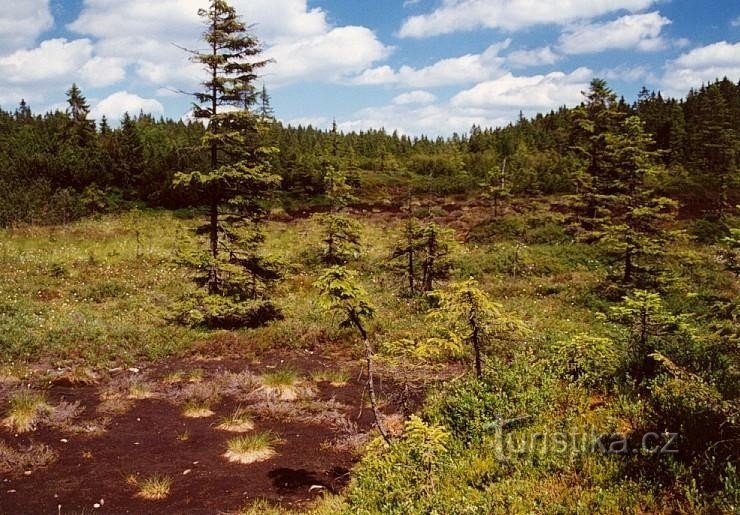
(217, 312)
(588, 360)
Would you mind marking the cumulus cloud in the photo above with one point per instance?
(414, 119)
(59, 60)
(700, 66)
(99, 72)
(639, 73)
(533, 57)
(117, 104)
(53, 59)
(300, 39)
(339, 52)
(528, 93)
(635, 31)
(21, 22)
(493, 103)
(465, 69)
(414, 97)
(462, 15)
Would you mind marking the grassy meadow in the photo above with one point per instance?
(98, 293)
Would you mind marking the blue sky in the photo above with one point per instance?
(419, 66)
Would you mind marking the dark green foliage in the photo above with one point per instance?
(341, 239)
(238, 182)
(220, 312)
(547, 154)
(424, 251)
(466, 318)
(648, 323)
(588, 360)
(636, 221)
(434, 242)
(730, 251)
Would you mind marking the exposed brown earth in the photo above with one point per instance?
(102, 457)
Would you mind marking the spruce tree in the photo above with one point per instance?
(82, 129)
(266, 110)
(239, 180)
(466, 316)
(716, 153)
(340, 293)
(435, 243)
(408, 249)
(637, 226)
(130, 165)
(594, 120)
(647, 320)
(496, 188)
(341, 232)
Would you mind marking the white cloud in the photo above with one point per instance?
(21, 22)
(429, 119)
(103, 71)
(50, 68)
(700, 66)
(534, 57)
(52, 60)
(339, 52)
(462, 15)
(635, 31)
(490, 103)
(303, 43)
(528, 93)
(465, 69)
(640, 73)
(117, 104)
(414, 97)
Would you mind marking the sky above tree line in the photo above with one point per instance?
(417, 66)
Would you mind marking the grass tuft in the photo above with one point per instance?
(35, 456)
(282, 382)
(197, 409)
(239, 421)
(155, 488)
(140, 391)
(253, 448)
(25, 407)
(78, 376)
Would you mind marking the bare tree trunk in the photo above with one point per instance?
(213, 286)
(411, 264)
(371, 389)
(478, 359)
(370, 381)
(628, 265)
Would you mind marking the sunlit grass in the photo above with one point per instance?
(140, 391)
(251, 448)
(238, 421)
(283, 382)
(197, 408)
(155, 488)
(24, 409)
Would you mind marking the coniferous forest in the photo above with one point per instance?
(234, 315)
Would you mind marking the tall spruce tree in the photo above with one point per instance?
(636, 226)
(716, 152)
(266, 110)
(240, 179)
(594, 120)
(341, 232)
